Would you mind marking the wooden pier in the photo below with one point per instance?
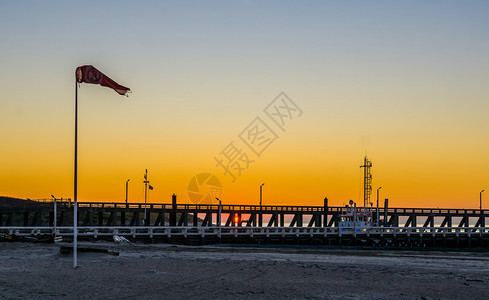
(190, 223)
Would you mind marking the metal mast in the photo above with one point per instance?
(367, 181)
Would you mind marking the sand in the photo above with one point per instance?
(38, 271)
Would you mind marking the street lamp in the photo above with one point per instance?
(378, 205)
(260, 216)
(261, 192)
(54, 214)
(219, 215)
(480, 200)
(127, 184)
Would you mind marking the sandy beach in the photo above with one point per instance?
(225, 272)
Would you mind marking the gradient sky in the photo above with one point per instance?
(404, 81)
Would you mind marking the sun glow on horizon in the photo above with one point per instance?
(404, 82)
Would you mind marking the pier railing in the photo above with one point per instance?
(185, 230)
(175, 214)
(446, 237)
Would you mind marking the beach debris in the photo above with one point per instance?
(68, 248)
(30, 239)
(8, 237)
(121, 240)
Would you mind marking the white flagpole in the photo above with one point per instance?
(75, 213)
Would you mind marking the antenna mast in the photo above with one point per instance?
(367, 181)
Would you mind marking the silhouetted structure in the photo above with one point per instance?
(191, 223)
(367, 181)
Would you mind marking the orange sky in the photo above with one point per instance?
(405, 83)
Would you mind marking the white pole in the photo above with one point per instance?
(75, 212)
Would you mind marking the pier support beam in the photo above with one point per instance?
(411, 221)
(315, 221)
(296, 221)
(158, 220)
(35, 219)
(135, 219)
(26, 219)
(481, 222)
(61, 219)
(430, 222)
(333, 222)
(447, 222)
(123, 218)
(112, 218)
(9, 219)
(273, 220)
(251, 221)
(464, 222)
(183, 219)
(207, 220)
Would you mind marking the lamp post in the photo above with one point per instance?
(480, 200)
(378, 205)
(261, 186)
(219, 216)
(260, 216)
(127, 184)
(54, 223)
